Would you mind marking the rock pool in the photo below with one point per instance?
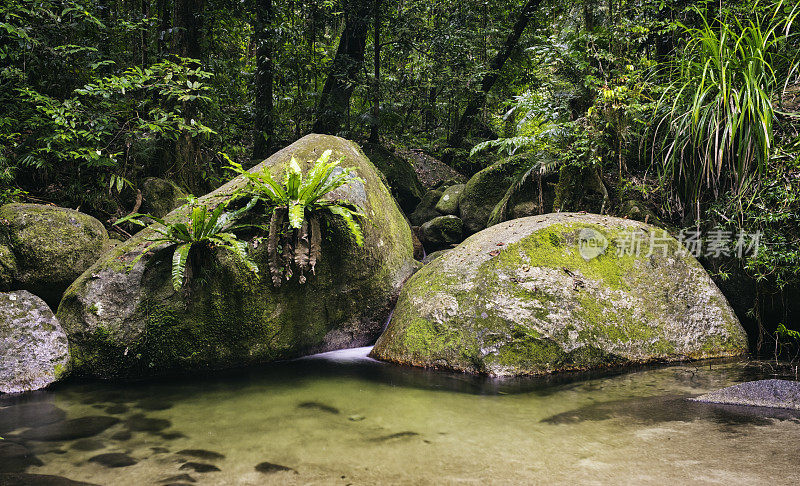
(342, 418)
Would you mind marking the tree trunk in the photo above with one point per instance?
(479, 98)
(187, 37)
(263, 132)
(342, 78)
(376, 90)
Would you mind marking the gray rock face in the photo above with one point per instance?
(442, 232)
(448, 203)
(130, 322)
(559, 292)
(763, 393)
(47, 247)
(33, 346)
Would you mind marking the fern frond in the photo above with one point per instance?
(179, 258)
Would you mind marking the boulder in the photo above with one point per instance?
(532, 197)
(160, 196)
(487, 188)
(129, 322)
(448, 203)
(580, 189)
(560, 292)
(442, 232)
(33, 346)
(45, 248)
(434, 255)
(426, 209)
(400, 175)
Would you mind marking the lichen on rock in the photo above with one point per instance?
(523, 297)
(33, 346)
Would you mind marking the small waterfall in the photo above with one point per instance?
(351, 355)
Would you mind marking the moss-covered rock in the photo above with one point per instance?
(580, 189)
(639, 211)
(426, 209)
(8, 267)
(487, 188)
(442, 232)
(51, 247)
(160, 196)
(128, 322)
(534, 196)
(448, 203)
(534, 296)
(400, 175)
(33, 346)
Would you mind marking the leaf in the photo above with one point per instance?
(275, 228)
(296, 215)
(349, 218)
(315, 250)
(179, 258)
(302, 248)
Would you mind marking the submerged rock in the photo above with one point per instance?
(29, 415)
(70, 429)
(125, 322)
(199, 467)
(22, 479)
(762, 393)
(50, 246)
(559, 292)
(33, 346)
(269, 468)
(114, 459)
(16, 458)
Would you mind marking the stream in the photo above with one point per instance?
(343, 418)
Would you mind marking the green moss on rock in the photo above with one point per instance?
(51, 247)
(525, 297)
(487, 188)
(129, 322)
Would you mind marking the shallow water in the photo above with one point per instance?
(341, 418)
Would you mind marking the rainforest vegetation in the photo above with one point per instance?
(688, 110)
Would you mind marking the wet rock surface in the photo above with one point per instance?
(762, 393)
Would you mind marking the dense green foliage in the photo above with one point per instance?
(203, 230)
(300, 200)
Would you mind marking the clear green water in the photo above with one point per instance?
(349, 420)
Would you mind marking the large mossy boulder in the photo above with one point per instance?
(560, 292)
(442, 232)
(160, 196)
(129, 322)
(580, 189)
(487, 188)
(44, 248)
(33, 346)
(400, 174)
